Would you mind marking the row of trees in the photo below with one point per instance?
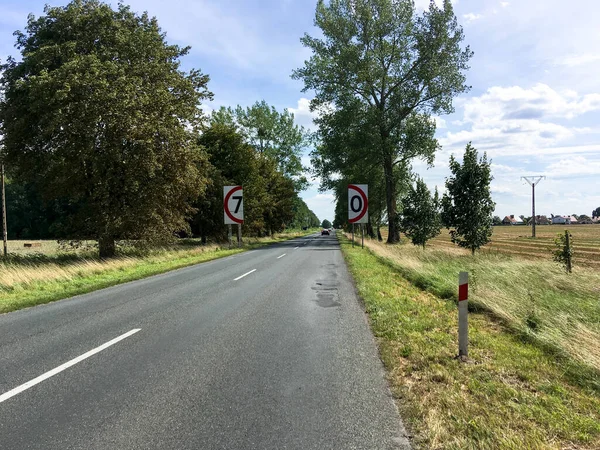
(104, 138)
(380, 71)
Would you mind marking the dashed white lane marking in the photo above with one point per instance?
(242, 276)
(297, 248)
(281, 256)
(64, 366)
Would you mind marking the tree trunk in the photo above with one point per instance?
(106, 245)
(379, 236)
(390, 196)
(204, 239)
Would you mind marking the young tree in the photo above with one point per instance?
(421, 214)
(326, 224)
(98, 112)
(467, 205)
(378, 73)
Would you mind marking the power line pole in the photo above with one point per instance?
(533, 180)
(3, 213)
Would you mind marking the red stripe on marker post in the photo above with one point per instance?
(463, 288)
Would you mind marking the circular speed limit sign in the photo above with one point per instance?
(233, 204)
(358, 203)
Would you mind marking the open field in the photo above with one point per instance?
(517, 241)
(533, 379)
(36, 275)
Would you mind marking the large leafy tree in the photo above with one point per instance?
(467, 206)
(596, 212)
(378, 73)
(273, 134)
(98, 112)
(421, 219)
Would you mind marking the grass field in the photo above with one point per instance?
(533, 379)
(37, 275)
(517, 241)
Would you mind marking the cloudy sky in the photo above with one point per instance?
(534, 106)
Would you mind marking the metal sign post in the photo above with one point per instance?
(352, 235)
(239, 234)
(362, 235)
(229, 234)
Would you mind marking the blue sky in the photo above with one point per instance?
(534, 104)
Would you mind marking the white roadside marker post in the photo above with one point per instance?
(463, 318)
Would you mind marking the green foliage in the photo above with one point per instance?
(98, 112)
(563, 252)
(270, 201)
(467, 205)
(421, 214)
(496, 220)
(326, 224)
(378, 72)
(596, 212)
(272, 134)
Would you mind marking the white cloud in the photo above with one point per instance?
(471, 17)
(504, 4)
(303, 115)
(578, 60)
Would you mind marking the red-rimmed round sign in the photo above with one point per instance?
(358, 203)
(233, 204)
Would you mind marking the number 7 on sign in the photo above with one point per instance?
(233, 205)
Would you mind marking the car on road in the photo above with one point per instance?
(324, 232)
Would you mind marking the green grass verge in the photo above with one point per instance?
(513, 394)
(61, 276)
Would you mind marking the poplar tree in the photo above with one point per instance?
(378, 72)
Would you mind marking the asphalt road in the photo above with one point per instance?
(281, 358)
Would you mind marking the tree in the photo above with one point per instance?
(596, 212)
(496, 220)
(421, 214)
(272, 134)
(99, 113)
(378, 73)
(467, 205)
(326, 224)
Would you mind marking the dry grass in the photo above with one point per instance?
(517, 241)
(533, 296)
(513, 394)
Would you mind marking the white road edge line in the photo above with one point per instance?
(281, 256)
(242, 276)
(64, 366)
(297, 248)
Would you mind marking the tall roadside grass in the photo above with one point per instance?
(29, 279)
(535, 298)
(515, 392)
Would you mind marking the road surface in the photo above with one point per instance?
(267, 349)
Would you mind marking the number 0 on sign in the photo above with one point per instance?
(233, 204)
(358, 203)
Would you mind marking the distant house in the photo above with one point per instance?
(540, 220)
(512, 220)
(561, 220)
(573, 220)
(585, 220)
